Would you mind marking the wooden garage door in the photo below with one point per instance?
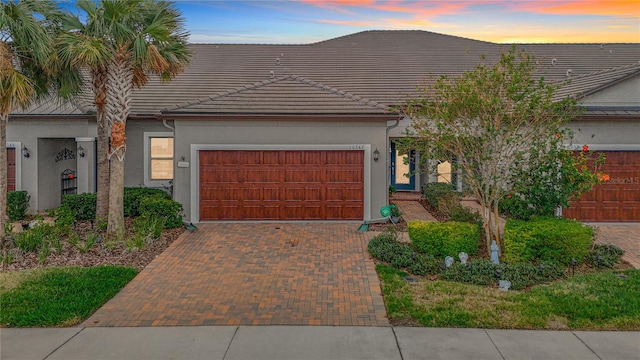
(281, 185)
(616, 200)
(11, 169)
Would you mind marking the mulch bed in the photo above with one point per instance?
(103, 253)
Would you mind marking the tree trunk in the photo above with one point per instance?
(3, 178)
(100, 97)
(115, 226)
(120, 85)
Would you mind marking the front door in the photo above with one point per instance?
(402, 170)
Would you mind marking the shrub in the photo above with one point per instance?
(64, 221)
(515, 207)
(385, 247)
(83, 206)
(156, 207)
(521, 275)
(149, 228)
(477, 272)
(525, 274)
(34, 238)
(546, 239)
(441, 196)
(17, 205)
(133, 196)
(444, 239)
(461, 213)
(604, 255)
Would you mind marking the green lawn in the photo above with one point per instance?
(599, 301)
(62, 296)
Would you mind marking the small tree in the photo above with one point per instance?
(490, 119)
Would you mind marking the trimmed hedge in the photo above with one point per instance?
(441, 196)
(444, 239)
(133, 196)
(83, 206)
(155, 207)
(17, 205)
(547, 239)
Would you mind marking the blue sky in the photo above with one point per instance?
(306, 21)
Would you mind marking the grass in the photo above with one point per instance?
(597, 301)
(62, 296)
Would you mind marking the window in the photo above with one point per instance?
(158, 158)
(161, 158)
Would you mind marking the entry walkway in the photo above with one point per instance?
(313, 343)
(255, 274)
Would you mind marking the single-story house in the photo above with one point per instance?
(304, 132)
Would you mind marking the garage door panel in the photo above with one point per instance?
(313, 194)
(616, 200)
(302, 176)
(343, 176)
(282, 185)
(262, 176)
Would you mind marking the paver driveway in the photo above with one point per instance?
(255, 274)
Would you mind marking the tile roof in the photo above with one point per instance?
(383, 67)
(284, 95)
(586, 84)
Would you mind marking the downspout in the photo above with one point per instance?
(388, 167)
(164, 122)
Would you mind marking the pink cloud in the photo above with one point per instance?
(580, 7)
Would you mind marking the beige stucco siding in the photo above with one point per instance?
(237, 135)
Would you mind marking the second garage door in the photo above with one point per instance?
(616, 200)
(281, 185)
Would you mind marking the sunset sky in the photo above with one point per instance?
(511, 21)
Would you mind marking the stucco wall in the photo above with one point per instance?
(27, 132)
(240, 133)
(134, 158)
(50, 170)
(625, 93)
(607, 134)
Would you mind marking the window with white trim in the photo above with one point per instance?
(158, 158)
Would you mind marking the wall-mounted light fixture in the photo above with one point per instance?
(81, 151)
(376, 154)
(25, 152)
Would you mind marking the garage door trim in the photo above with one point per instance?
(195, 167)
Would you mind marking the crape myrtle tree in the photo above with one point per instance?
(29, 69)
(500, 122)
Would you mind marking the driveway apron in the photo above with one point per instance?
(255, 274)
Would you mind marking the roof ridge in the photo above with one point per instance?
(336, 91)
(259, 84)
(604, 71)
(232, 91)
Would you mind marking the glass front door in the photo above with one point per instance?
(402, 170)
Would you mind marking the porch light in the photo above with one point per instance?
(376, 154)
(25, 152)
(81, 151)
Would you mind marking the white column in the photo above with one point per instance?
(86, 165)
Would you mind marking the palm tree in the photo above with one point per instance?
(146, 36)
(83, 45)
(27, 68)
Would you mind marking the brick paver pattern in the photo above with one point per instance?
(624, 236)
(255, 274)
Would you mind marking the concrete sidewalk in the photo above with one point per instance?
(318, 342)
